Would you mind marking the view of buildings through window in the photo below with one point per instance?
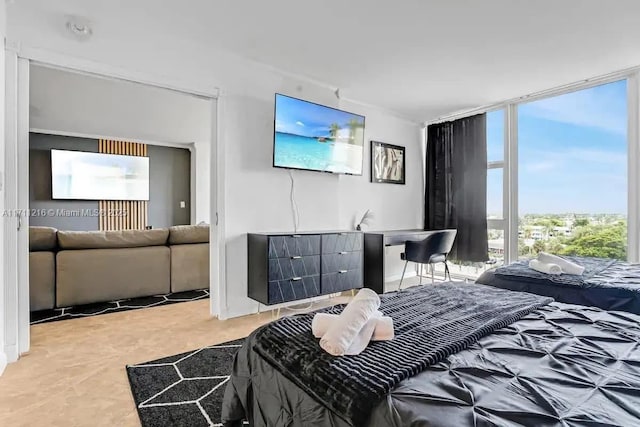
(572, 173)
(572, 176)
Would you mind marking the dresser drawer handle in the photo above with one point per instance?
(296, 279)
(342, 271)
(295, 236)
(296, 257)
(343, 253)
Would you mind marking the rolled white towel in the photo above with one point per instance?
(567, 266)
(362, 339)
(342, 333)
(382, 332)
(543, 267)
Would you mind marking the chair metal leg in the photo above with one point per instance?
(403, 271)
(446, 270)
(421, 265)
(433, 280)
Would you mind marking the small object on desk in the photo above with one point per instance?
(368, 216)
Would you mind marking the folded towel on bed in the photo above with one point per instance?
(544, 267)
(383, 330)
(349, 326)
(567, 266)
(363, 338)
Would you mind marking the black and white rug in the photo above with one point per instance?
(183, 390)
(114, 306)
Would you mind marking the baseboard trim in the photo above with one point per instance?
(3, 361)
(11, 353)
(397, 277)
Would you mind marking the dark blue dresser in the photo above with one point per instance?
(289, 267)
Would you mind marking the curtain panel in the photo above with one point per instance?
(456, 184)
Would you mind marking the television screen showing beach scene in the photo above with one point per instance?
(315, 137)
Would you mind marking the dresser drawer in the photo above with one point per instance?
(341, 281)
(340, 261)
(341, 242)
(294, 245)
(293, 266)
(293, 289)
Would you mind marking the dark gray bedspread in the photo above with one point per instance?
(592, 268)
(607, 284)
(430, 323)
(562, 365)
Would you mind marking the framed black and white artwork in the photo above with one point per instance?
(387, 163)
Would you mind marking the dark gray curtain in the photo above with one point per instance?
(456, 186)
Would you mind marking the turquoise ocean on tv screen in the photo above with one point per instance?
(302, 152)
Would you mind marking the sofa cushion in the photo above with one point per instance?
(189, 267)
(42, 281)
(97, 275)
(185, 234)
(112, 239)
(42, 238)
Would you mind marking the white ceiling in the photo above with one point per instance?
(421, 58)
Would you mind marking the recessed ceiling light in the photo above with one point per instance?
(79, 27)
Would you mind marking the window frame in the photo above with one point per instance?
(510, 221)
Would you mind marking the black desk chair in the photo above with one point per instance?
(431, 250)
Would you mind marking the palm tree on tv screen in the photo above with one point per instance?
(333, 130)
(353, 124)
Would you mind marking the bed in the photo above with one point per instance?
(557, 364)
(607, 284)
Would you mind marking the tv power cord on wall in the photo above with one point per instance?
(294, 206)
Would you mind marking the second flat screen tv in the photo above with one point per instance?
(79, 175)
(315, 137)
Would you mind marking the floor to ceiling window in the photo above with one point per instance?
(495, 187)
(572, 173)
(571, 166)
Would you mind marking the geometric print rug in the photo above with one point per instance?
(183, 390)
(88, 310)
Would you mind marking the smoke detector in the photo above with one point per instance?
(79, 27)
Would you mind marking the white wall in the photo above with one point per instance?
(385, 200)
(257, 195)
(3, 356)
(394, 206)
(202, 181)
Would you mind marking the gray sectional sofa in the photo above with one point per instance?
(70, 268)
(42, 267)
(189, 257)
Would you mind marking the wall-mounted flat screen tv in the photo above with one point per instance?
(79, 175)
(315, 137)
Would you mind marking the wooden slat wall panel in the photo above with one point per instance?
(136, 210)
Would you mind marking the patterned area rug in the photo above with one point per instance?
(114, 306)
(183, 390)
